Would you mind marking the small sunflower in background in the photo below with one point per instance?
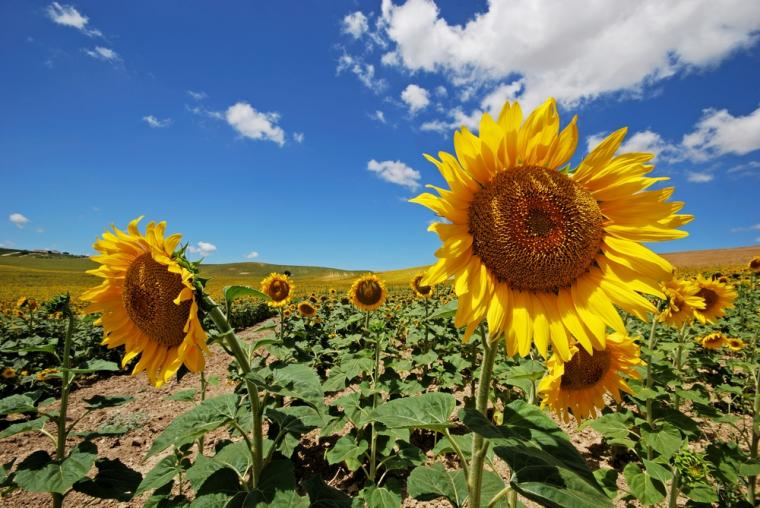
(22, 302)
(9, 373)
(333, 292)
(147, 301)
(421, 290)
(754, 264)
(715, 340)
(735, 344)
(279, 288)
(306, 309)
(578, 386)
(367, 293)
(681, 301)
(46, 374)
(718, 297)
(542, 253)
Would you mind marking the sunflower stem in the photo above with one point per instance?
(678, 362)
(220, 320)
(755, 437)
(479, 446)
(651, 344)
(66, 377)
(375, 375)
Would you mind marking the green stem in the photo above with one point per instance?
(220, 320)
(675, 489)
(755, 437)
(479, 446)
(458, 450)
(427, 328)
(204, 384)
(649, 379)
(375, 376)
(66, 378)
(678, 363)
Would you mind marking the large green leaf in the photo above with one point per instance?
(104, 401)
(647, 489)
(346, 450)
(666, 440)
(387, 496)
(17, 404)
(232, 292)
(114, 481)
(39, 473)
(189, 426)
(96, 366)
(27, 426)
(161, 474)
(446, 311)
(427, 411)
(322, 495)
(431, 482)
(299, 381)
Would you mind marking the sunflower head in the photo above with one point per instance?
(681, 301)
(540, 252)
(279, 288)
(367, 293)
(147, 301)
(9, 373)
(46, 374)
(578, 386)
(735, 344)
(420, 290)
(754, 264)
(718, 297)
(714, 340)
(22, 302)
(307, 309)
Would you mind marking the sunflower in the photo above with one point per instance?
(9, 373)
(714, 340)
(542, 253)
(735, 344)
(754, 264)
(718, 297)
(367, 293)
(279, 288)
(421, 291)
(681, 300)
(45, 374)
(578, 386)
(147, 301)
(306, 309)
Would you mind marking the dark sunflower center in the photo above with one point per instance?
(148, 296)
(710, 297)
(369, 292)
(535, 229)
(584, 370)
(306, 309)
(278, 290)
(423, 290)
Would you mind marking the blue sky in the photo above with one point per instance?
(292, 132)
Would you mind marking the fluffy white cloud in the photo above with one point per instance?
(254, 124)
(720, 133)
(355, 24)
(362, 70)
(101, 53)
(252, 255)
(614, 46)
(203, 248)
(753, 227)
(67, 15)
(18, 219)
(415, 97)
(197, 95)
(298, 137)
(157, 123)
(379, 116)
(396, 172)
(699, 177)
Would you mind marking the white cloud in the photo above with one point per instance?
(379, 116)
(390, 59)
(203, 248)
(252, 255)
(441, 91)
(362, 70)
(298, 137)
(416, 97)
(67, 15)
(355, 24)
(396, 172)
(18, 219)
(197, 95)
(699, 177)
(254, 124)
(645, 141)
(436, 126)
(615, 46)
(720, 133)
(156, 123)
(39, 230)
(753, 227)
(101, 53)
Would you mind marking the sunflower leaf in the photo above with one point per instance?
(233, 292)
(427, 411)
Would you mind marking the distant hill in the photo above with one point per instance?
(736, 257)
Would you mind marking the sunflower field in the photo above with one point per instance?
(548, 358)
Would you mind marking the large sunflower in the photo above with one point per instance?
(681, 302)
(717, 296)
(367, 293)
(539, 252)
(578, 386)
(147, 301)
(279, 288)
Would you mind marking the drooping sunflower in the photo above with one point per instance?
(681, 301)
(420, 290)
(715, 340)
(306, 309)
(754, 264)
(543, 253)
(147, 301)
(367, 293)
(735, 344)
(717, 296)
(279, 288)
(9, 373)
(578, 386)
